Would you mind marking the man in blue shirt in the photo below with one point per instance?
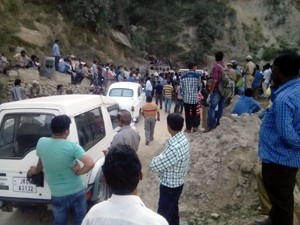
(56, 53)
(246, 104)
(279, 140)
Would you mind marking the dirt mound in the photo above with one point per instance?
(220, 187)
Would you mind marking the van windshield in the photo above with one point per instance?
(19, 133)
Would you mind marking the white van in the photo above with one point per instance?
(22, 123)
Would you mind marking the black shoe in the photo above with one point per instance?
(147, 142)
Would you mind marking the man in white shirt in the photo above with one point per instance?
(267, 78)
(149, 87)
(122, 170)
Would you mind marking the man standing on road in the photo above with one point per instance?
(215, 97)
(249, 70)
(150, 110)
(190, 86)
(58, 158)
(122, 170)
(279, 140)
(126, 135)
(172, 166)
(56, 53)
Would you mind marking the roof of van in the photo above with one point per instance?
(69, 104)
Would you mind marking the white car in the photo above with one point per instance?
(129, 95)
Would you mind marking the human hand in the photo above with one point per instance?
(76, 168)
(32, 171)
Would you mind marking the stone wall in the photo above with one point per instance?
(47, 84)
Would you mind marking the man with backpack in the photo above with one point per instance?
(216, 99)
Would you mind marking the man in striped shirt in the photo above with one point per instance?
(171, 167)
(167, 92)
(279, 140)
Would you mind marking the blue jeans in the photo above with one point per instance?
(168, 203)
(148, 93)
(76, 203)
(168, 103)
(214, 117)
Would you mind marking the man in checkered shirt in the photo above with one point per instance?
(171, 167)
(190, 84)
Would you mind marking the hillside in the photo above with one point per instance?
(126, 33)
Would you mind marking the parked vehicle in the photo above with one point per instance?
(22, 123)
(129, 95)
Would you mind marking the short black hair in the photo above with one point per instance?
(175, 121)
(288, 64)
(122, 169)
(17, 82)
(219, 56)
(149, 98)
(249, 92)
(191, 65)
(56, 41)
(60, 124)
(59, 86)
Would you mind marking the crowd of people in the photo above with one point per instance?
(201, 98)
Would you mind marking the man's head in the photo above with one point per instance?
(248, 58)
(285, 67)
(175, 122)
(17, 82)
(219, 56)
(122, 170)
(60, 124)
(249, 92)
(56, 41)
(149, 99)
(192, 66)
(124, 118)
(23, 53)
(60, 88)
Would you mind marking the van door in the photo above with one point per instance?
(19, 134)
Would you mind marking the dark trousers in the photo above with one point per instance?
(158, 98)
(178, 106)
(190, 121)
(168, 203)
(279, 182)
(56, 62)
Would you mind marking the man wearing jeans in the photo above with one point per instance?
(58, 158)
(171, 167)
(190, 86)
(167, 92)
(56, 53)
(215, 97)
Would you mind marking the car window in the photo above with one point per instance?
(90, 128)
(120, 92)
(113, 113)
(19, 133)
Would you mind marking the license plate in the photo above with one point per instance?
(21, 184)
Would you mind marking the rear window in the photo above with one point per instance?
(120, 92)
(19, 133)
